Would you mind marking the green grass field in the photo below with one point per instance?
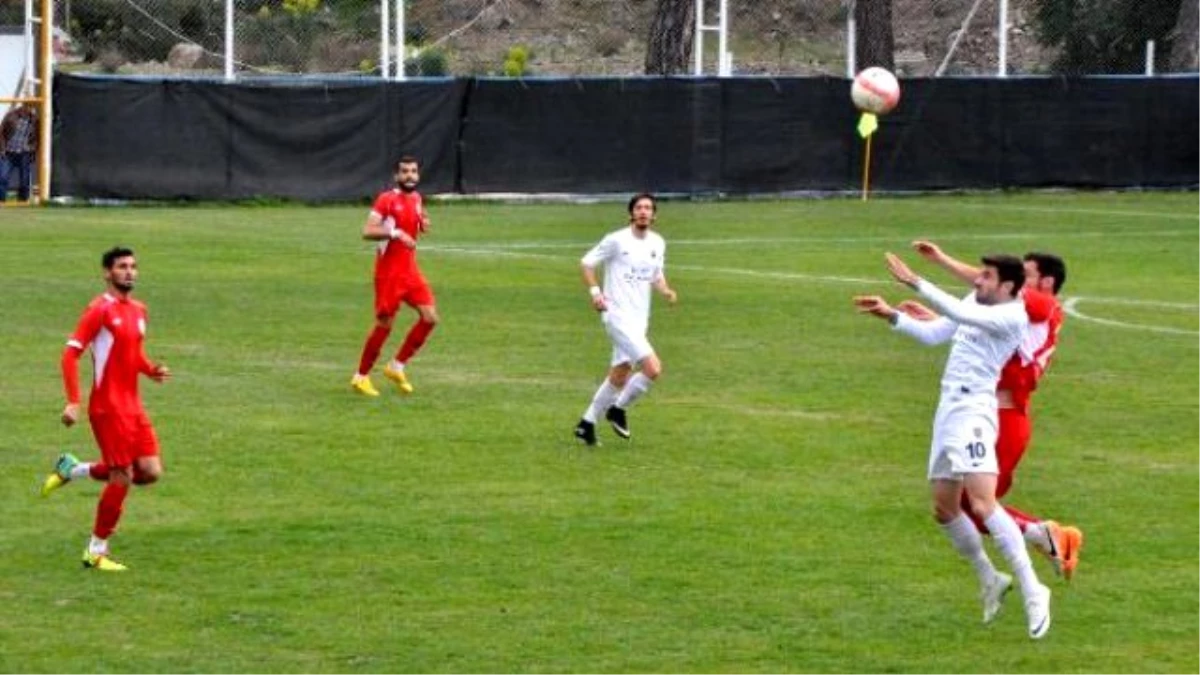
(770, 514)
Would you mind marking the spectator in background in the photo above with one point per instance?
(18, 146)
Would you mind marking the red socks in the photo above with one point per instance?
(98, 471)
(112, 501)
(414, 340)
(370, 354)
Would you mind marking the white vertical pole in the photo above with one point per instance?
(1002, 34)
(698, 47)
(724, 62)
(400, 53)
(229, 33)
(28, 76)
(851, 43)
(1149, 58)
(46, 119)
(385, 38)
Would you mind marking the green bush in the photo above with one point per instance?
(427, 63)
(516, 62)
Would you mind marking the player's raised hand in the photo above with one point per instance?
(875, 305)
(916, 310)
(70, 414)
(900, 270)
(928, 250)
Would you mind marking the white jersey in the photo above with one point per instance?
(631, 265)
(985, 337)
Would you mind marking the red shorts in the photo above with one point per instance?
(124, 438)
(1010, 446)
(391, 292)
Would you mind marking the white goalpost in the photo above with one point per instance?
(721, 28)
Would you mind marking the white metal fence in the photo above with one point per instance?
(241, 38)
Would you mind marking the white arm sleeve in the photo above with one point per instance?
(981, 316)
(933, 332)
(600, 253)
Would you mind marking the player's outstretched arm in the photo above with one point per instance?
(934, 253)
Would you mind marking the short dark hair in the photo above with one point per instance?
(1008, 268)
(1049, 265)
(639, 197)
(407, 159)
(113, 254)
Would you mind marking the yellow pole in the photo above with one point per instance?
(45, 106)
(867, 168)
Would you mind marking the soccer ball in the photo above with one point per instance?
(875, 90)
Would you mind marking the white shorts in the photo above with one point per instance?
(964, 437)
(630, 344)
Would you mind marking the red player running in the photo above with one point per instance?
(1045, 275)
(396, 221)
(114, 325)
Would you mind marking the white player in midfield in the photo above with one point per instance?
(987, 326)
(633, 258)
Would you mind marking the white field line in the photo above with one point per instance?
(583, 246)
(1070, 305)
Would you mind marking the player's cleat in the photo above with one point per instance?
(398, 377)
(992, 595)
(616, 417)
(61, 474)
(362, 384)
(103, 563)
(1066, 542)
(586, 432)
(1037, 611)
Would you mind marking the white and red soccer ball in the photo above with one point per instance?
(875, 90)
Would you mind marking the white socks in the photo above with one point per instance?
(80, 470)
(396, 365)
(969, 544)
(98, 546)
(1008, 539)
(601, 401)
(637, 385)
(1037, 536)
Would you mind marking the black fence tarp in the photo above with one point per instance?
(208, 140)
(140, 138)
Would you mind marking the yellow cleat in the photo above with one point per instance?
(61, 474)
(52, 483)
(398, 377)
(362, 384)
(103, 563)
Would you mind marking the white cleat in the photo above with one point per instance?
(1037, 610)
(992, 595)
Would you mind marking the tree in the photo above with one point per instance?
(1105, 37)
(1184, 46)
(669, 50)
(873, 42)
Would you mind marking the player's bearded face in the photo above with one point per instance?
(123, 275)
(408, 177)
(987, 287)
(643, 214)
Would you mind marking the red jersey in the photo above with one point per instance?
(404, 211)
(1021, 374)
(115, 328)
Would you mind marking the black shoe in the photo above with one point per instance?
(586, 432)
(616, 417)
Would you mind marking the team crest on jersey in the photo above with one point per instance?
(978, 432)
